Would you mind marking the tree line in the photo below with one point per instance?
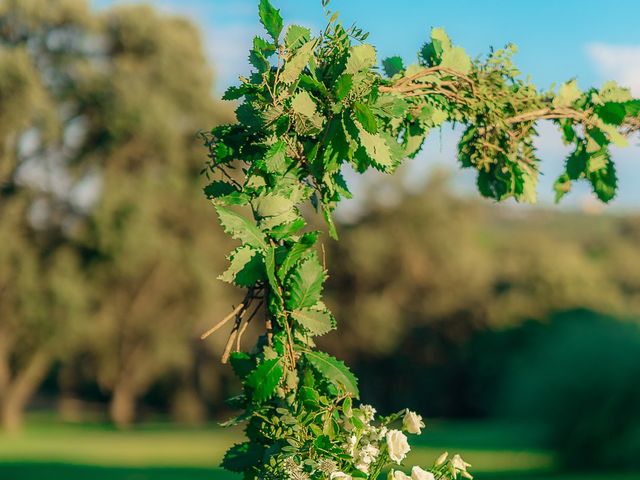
(109, 254)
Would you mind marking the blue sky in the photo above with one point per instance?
(591, 40)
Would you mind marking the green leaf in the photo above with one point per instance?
(613, 113)
(604, 181)
(299, 250)
(296, 36)
(456, 59)
(275, 160)
(365, 117)
(328, 218)
(392, 65)
(246, 269)
(242, 364)
(440, 43)
(241, 457)
(335, 371)
(615, 136)
(280, 232)
(361, 57)
(376, 149)
(294, 66)
(303, 104)
(270, 19)
(264, 380)
(632, 107)
(305, 283)
(343, 86)
(270, 266)
(568, 93)
(223, 193)
(241, 228)
(318, 322)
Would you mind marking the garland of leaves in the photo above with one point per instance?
(311, 105)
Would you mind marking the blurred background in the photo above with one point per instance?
(515, 330)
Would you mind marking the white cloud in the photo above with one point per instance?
(618, 62)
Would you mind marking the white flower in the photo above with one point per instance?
(398, 445)
(368, 412)
(398, 475)
(419, 474)
(412, 422)
(366, 456)
(459, 464)
(441, 459)
(340, 476)
(351, 445)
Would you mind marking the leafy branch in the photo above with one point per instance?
(310, 106)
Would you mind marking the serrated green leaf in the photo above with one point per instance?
(335, 371)
(242, 363)
(392, 65)
(275, 160)
(280, 232)
(294, 66)
(343, 86)
(562, 186)
(224, 193)
(270, 267)
(264, 380)
(376, 148)
(440, 43)
(303, 104)
(613, 113)
(241, 228)
(274, 209)
(361, 57)
(270, 18)
(365, 117)
(568, 93)
(246, 268)
(456, 59)
(241, 457)
(305, 283)
(615, 136)
(296, 36)
(318, 322)
(296, 252)
(632, 107)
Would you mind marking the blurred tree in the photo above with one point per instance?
(465, 267)
(41, 285)
(100, 215)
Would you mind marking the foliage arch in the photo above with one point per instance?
(311, 105)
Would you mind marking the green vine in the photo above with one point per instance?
(312, 105)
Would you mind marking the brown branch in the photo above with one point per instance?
(232, 336)
(246, 324)
(219, 325)
(435, 69)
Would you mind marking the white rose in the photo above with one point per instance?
(412, 422)
(397, 475)
(398, 445)
(419, 474)
(340, 476)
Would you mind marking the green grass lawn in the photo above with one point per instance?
(51, 450)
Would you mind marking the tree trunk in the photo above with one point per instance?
(19, 391)
(123, 404)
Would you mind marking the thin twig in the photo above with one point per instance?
(232, 336)
(216, 327)
(246, 324)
